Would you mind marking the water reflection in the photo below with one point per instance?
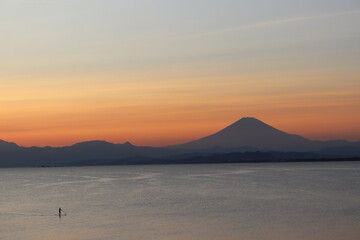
(222, 201)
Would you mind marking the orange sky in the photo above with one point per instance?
(70, 75)
(162, 112)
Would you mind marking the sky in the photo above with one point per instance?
(162, 72)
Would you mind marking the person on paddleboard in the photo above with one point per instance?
(60, 211)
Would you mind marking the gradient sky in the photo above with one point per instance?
(160, 72)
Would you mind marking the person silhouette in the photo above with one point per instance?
(60, 211)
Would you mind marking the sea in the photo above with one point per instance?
(263, 201)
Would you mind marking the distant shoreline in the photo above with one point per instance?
(200, 163)
(192, 158)
(192, 161)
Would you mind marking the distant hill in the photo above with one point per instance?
(8, 146)
(12, 155)
(244, 136)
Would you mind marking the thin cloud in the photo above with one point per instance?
(270, 23)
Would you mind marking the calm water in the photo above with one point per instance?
(278, 201)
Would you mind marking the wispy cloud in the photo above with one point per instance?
(270, 23)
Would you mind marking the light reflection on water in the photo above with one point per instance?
(279, 201)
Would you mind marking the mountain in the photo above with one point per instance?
(8, 146)
(12, 155)
(244, 136)
(254, 133)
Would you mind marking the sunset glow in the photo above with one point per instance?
(160, 74)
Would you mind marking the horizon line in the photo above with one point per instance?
(128, 142)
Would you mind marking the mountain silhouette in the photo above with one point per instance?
(251, 132)
(246, 135)
(8, 146)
